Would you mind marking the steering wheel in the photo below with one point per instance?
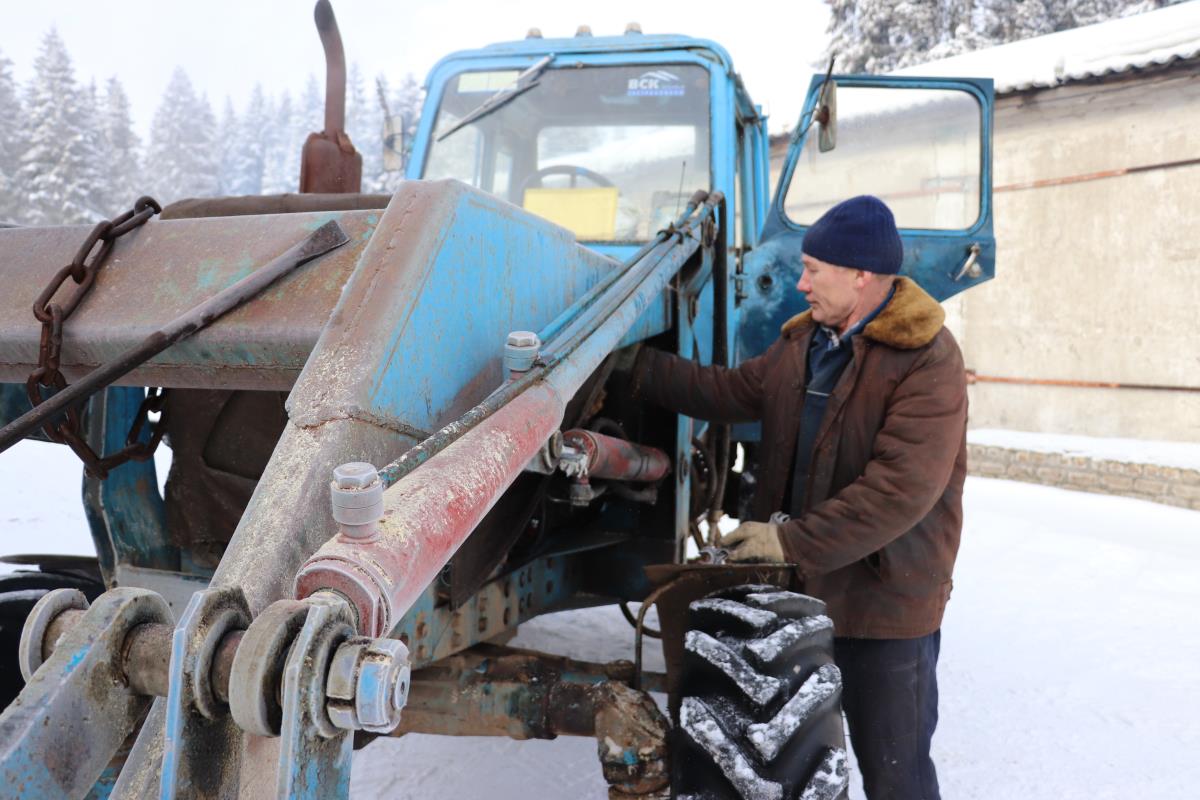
(535, 179)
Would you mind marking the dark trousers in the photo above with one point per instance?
(889, 694)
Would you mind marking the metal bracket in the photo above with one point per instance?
(197, 725)
(314, 756)
(77, 710)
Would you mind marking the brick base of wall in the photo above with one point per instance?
(1169, 485)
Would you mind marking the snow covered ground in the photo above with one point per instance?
(1070, 653)
(1070, 658)
(1181, 455)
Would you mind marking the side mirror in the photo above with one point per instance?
(827, 117)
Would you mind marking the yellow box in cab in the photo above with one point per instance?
(590, 213)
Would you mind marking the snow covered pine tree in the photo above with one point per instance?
(883, 35)
(182, 161)
(59, 177)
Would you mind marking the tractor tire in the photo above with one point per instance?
(19, 591)
(760, 713)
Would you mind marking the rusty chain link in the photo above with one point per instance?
(66, 429)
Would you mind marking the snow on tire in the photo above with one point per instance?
(760, 715)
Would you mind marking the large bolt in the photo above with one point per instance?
(521, 351)
(357, 495)
(368, 684)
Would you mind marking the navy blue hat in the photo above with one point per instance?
(859, 233)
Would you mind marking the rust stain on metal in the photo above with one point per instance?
(499, 691)
(162, 269)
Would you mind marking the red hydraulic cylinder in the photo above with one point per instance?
(618, 459)
(429, 514)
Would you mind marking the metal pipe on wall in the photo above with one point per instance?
(973, 377)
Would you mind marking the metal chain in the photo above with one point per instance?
(66, 429)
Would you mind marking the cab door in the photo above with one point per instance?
(922, 145)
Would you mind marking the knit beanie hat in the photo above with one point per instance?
(859, 233)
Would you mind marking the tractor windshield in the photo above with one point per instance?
(612, 153)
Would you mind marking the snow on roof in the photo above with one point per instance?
(1151, 39)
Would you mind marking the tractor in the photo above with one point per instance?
(401, 425)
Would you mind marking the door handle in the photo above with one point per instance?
(970, 267)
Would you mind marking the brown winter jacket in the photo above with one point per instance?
(883, 510)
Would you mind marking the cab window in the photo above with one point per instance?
(917, 149)
(613, 153)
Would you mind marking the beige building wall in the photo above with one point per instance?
(1097, 280)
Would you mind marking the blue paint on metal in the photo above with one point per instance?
(174, 729)
(426, 626)
(76, 659)
(73, 715)
(312, 767)
(489, 269)
(370, 687)
(126, 511)
(603, 51)
(321, 217)
(13, 402)
(728, 102)
(103, 788)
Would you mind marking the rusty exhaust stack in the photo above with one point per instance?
(329, 164)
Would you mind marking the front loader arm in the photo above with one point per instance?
(437, 282)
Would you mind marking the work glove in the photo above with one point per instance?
(755, 541)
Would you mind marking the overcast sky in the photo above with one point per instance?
(228, 45)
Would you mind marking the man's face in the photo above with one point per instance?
(832, 292)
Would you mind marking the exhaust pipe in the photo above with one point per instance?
(329, 164)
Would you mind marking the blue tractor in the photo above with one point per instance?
(401, 425)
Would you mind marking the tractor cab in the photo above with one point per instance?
(605, 136)
(609, 136)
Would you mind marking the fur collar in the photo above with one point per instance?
(909, 321)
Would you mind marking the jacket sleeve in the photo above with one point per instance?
(716, 394)
(911, 462)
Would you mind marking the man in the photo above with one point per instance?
(863, 403)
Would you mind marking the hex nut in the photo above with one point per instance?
(357, 496)
(343, 716)
(521, 351)
(355, 475)
(522, 339)
(343, 669)
(383, 668)
(368, 683)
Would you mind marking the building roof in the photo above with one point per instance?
(1128, 44)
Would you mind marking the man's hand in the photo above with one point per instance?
(755, 541)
